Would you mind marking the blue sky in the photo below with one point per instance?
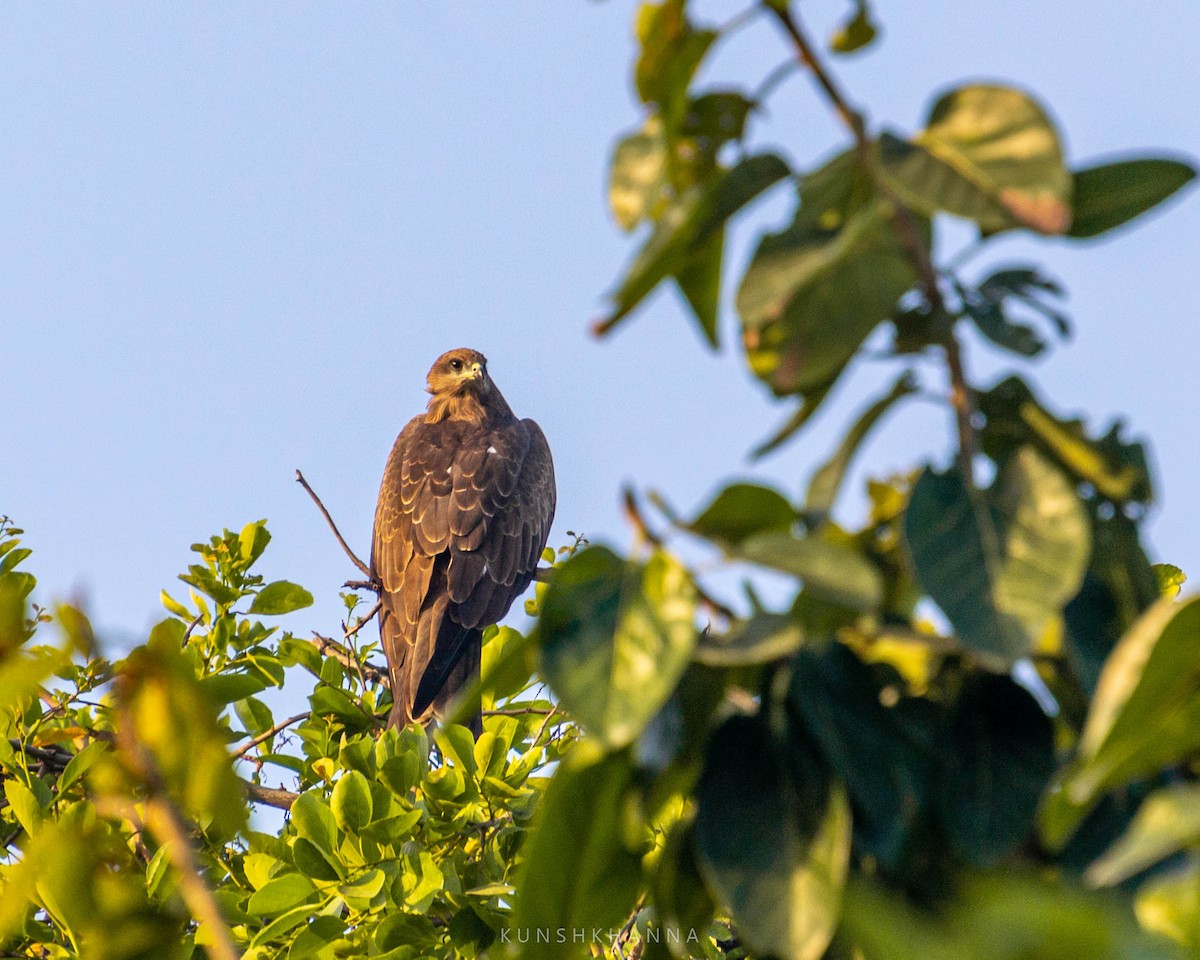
(236, 235)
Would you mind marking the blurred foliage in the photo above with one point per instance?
(970, 730)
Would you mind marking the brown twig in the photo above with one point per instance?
(268, 734)
(333, 526)
(633, 513)
(363, 621)
(331, 648)
(961, 396)
(270, 796)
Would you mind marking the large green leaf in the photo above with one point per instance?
(615, 638)
(777, 867)
(1144, 716)
(998, 758)
(761, 639)
(280, 597)
(578, 872)
(812, 294)
(988, 153)
(686, 227)
(1167, 821)
(1001, 563)
(1112, 194)
(742, 510)
(828, 569)
(1015, 416)
(884, 753)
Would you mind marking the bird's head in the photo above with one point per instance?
(459, 372)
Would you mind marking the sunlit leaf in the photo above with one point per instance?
(615, 638)
(280, 597)
(1001, 563)
(1167, 821)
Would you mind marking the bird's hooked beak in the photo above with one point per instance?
(479, 375)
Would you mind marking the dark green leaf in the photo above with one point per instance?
(997, 760)
(781, 881)
(1145, 714)
(1116, 468)
(1167, 821)
(687, 226)
(1112, 194)
(858, 32)
(742, 510)
(761, 639)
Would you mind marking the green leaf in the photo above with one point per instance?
(25, 806)
(810, 402)
(638, 176)
(699, 280)
(1169, 578)
(252, 541)
(990, 154)
(1144, 716)
(998, 758)
(615, 638)
(856, 33)
(1000, 563)
(1015, 416)
(578, 835)
(830, 570)
(314, 821)
(1168, 906)
(779, 869)
(761, 639)
(812, 295)
(280, 894)
(827, 480)
(351, 801)
(671, 52)
(686, 227)
(1167, 821)
(884, 753)
(742, 510)
(1112, 194)
(280, 597)
(79, 764)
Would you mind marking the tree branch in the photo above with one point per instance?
(268, 734)
(333, 526)
(961, 396)
(331, 648)
(270, 796)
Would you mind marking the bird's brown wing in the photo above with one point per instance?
(464, 513)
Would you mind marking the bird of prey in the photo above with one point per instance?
(464, 512)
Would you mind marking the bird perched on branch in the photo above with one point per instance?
(464, 512)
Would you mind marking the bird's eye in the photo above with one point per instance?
(455, 365)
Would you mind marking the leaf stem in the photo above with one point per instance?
(961, 396)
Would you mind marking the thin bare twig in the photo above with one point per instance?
(961, 396)
(268, 734)
(331, 648)
(363, 621)
(333, 526)
(633, 513)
